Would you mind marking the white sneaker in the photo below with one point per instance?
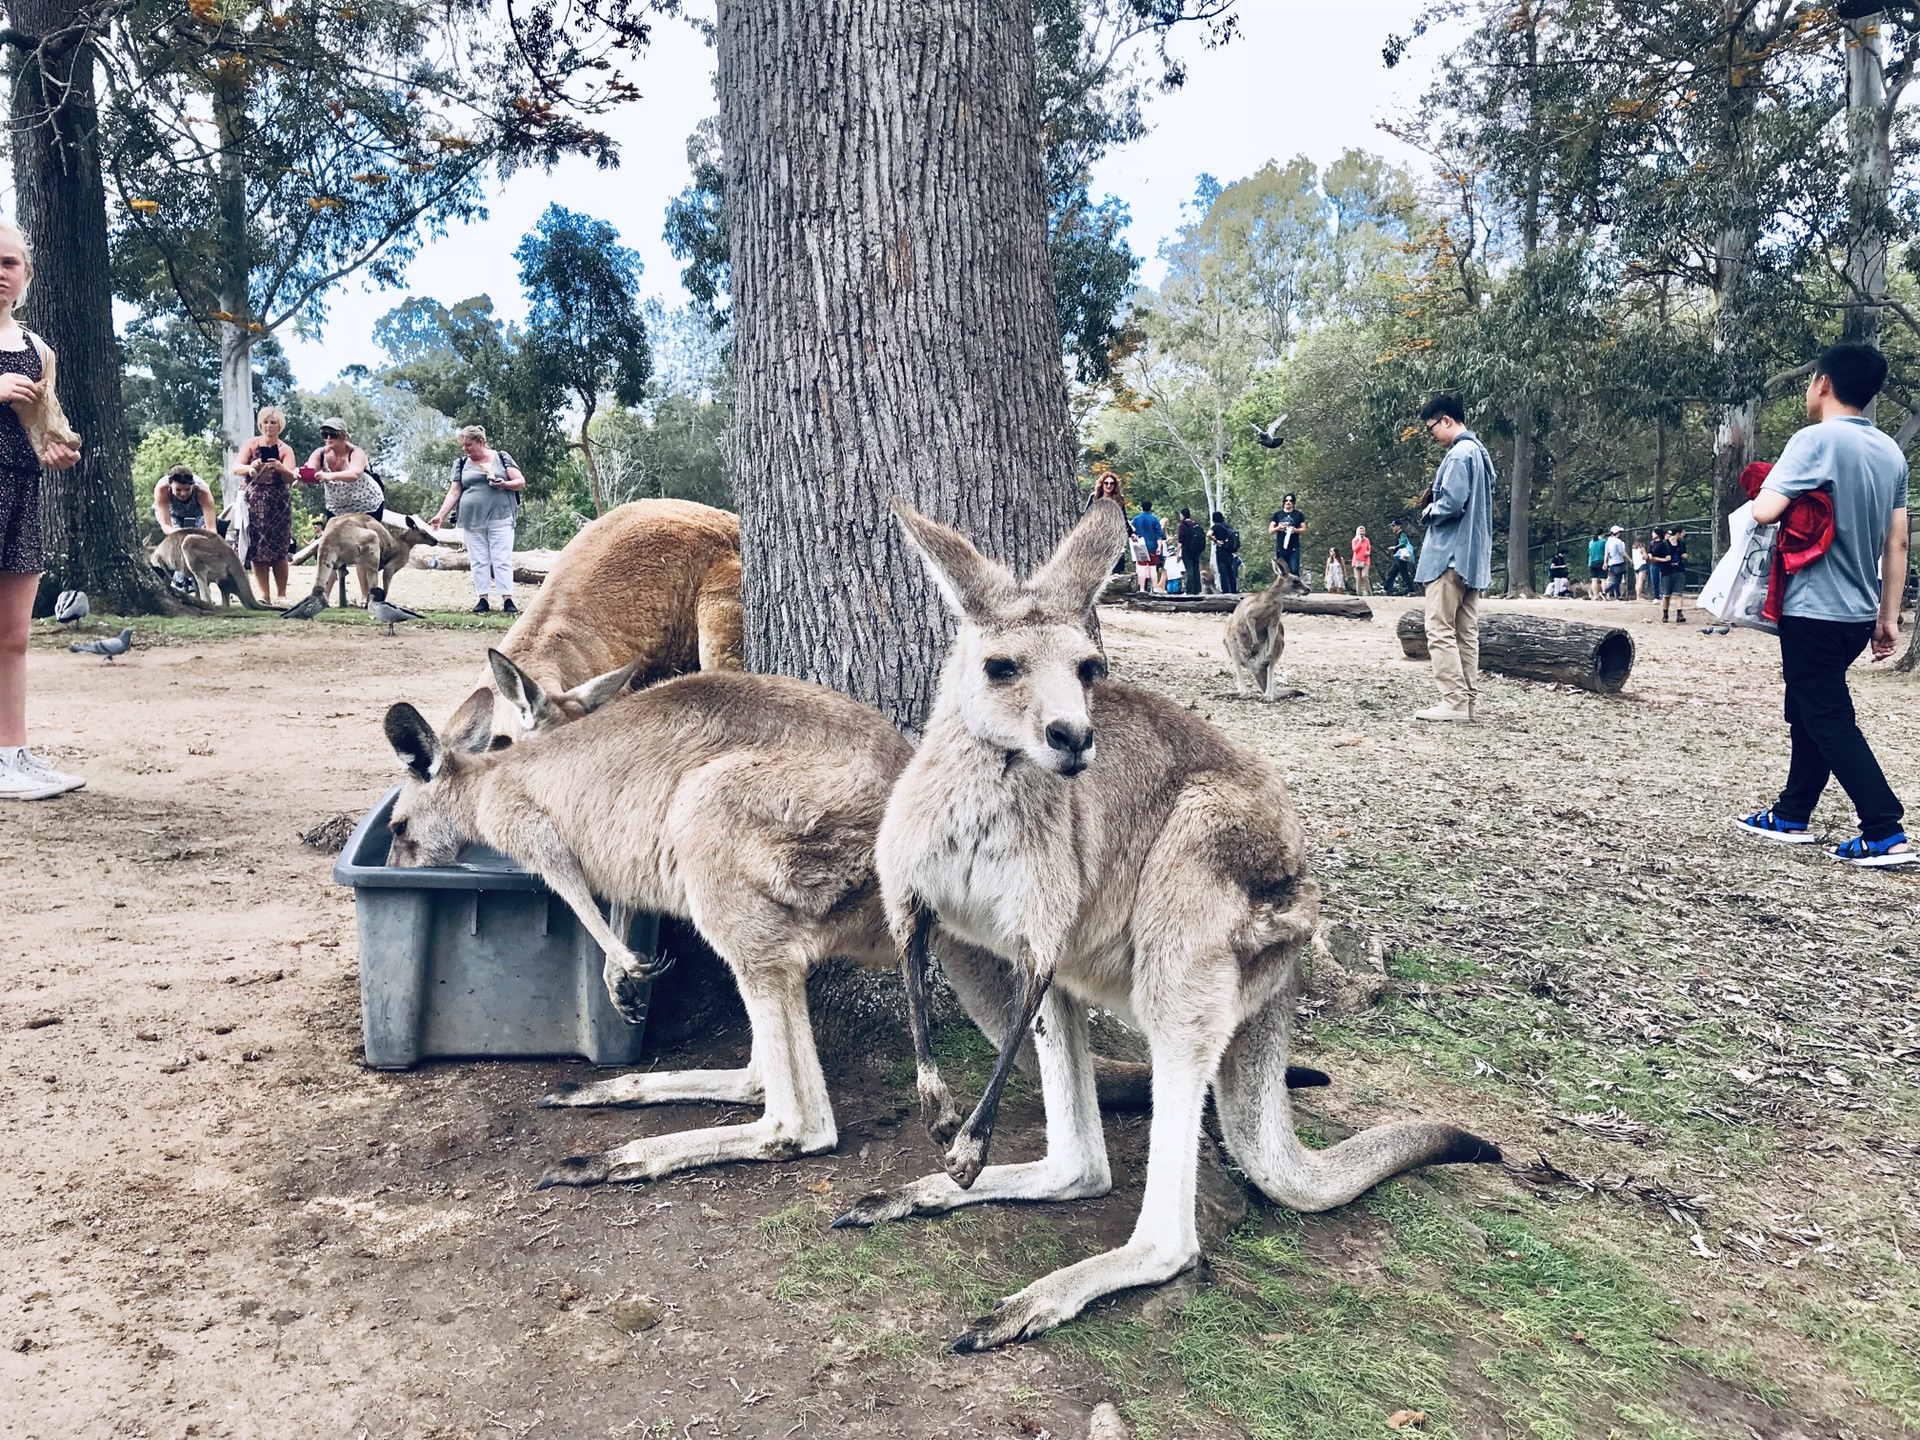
(25, 776)
(1444, 711)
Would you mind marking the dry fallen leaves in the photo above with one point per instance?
(1402, 1419)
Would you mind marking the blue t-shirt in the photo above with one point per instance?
(1863, 469)
(1148, 527)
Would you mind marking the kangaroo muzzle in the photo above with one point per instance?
(1072, 744)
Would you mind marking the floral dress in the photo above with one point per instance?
(269, 509)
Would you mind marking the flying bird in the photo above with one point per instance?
(71, 607)
(387, 615)
(1270, 438)
(109, 647)
(307, 608)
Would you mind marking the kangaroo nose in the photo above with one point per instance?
(1070, 739)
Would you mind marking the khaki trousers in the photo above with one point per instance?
(1453, 638)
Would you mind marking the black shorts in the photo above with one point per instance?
(1597, 572)
(22, 550)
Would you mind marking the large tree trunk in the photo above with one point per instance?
(894, 324)
(235, 268)
(92, 541)
(1520, 507)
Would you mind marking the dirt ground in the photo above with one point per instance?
(214, 1221)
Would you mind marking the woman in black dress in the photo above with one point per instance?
(34, 433)
(266, 464)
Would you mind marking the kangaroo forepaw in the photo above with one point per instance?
(1469, 1149)
(965, 1159)
(937, 1110)
(577, 1170)
(874, 1208)
(561, 1096)
(627, 986)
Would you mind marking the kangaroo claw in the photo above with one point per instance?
(872, 1209)
(576, 1170)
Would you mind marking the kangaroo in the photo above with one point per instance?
(746, 805)
(1013, 832)
(209, 561)
(369, 548)
(652, 582)
(1257, 637)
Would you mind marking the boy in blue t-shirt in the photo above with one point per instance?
(1844, 601)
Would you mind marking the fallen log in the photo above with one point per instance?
(1346, 607)
(1533, 647)
(530, 567)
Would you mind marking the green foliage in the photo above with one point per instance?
(173, 376)
(583, 308)
(470, 368)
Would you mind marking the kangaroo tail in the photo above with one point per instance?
(1256, 1120)
(243, 587)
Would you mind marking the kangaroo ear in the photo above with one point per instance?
(973, 586)
(590, 695)
(537, 712)
(1070, 582)
(413, 740)
(471, 729)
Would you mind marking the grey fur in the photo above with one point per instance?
(994, 831)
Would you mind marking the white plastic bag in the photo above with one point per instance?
(1737, 589)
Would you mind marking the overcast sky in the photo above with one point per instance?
(1304, 77)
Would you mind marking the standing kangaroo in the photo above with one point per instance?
(1015, 835)
(1257, 637)
(207, 560)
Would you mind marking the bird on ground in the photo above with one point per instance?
(1270, 438)
(386, 614)
(71, 607)
(307, 608)
(109, 646)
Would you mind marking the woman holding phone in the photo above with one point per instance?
(486, 487)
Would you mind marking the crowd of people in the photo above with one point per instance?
(483, 498)
(1657, 563)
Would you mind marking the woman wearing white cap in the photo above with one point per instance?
(339, 467)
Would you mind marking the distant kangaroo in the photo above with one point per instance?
(208, 561)
(370, 548)
(1015, 834)
(1257, 637)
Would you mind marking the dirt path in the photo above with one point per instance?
(214, 1221)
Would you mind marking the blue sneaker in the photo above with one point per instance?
(1877, 854)
(1769, 826)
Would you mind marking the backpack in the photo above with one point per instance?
(1232, 547)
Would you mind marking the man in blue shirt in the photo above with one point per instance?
(1148, 527)
(1840, 604)
(1456, 564)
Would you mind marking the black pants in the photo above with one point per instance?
(1402, 572)
(1190, 564)
(1814, 656)
(1227, 565)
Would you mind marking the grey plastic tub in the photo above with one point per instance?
(476, 959)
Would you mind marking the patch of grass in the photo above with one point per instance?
(1499, 1313)
(1883, 1364)
(203, 627)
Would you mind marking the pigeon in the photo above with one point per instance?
(1270, 438)
(111, 646)
(307, 608)
(71, 607)
(388, 615)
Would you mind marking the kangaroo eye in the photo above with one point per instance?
(1000, 669)
(1092, 669)
(398, 829)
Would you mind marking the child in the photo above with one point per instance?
(1336, 577)
(1557, 575)
(1176, 573)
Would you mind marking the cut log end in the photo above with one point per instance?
(1598, 658)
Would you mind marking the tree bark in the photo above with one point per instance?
(1520, 507)
(894, 325)
(91, 537)
(1870, 174)
(1533, 647)
(235, 268)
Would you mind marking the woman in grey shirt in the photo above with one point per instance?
(486, 487)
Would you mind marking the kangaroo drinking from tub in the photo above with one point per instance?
(1015, 834)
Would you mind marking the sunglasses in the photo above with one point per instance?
(329, 434)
